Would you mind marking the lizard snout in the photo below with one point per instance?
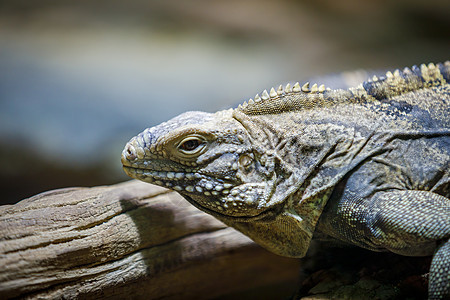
(129, 153)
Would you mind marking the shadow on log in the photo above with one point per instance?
(130, 240)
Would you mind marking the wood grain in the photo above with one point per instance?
(129, 240)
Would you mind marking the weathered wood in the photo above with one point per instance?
(130, 240)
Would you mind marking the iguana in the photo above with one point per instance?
(368, 165)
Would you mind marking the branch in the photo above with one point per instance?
(127, 240)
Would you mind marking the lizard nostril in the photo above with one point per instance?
(130, 152)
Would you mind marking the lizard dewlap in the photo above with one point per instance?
(368, 166)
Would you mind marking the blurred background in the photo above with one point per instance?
(79, 78)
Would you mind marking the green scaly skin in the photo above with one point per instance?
(368, 166)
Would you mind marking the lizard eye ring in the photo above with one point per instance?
(192, 145)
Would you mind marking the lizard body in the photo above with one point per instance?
(368, 165)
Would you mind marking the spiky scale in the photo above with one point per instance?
(265, 95)
(257, 98)
(423, 68)
(305, 88)
(407, 71)
(314, 88)
(296, 87)
(321, 88)
(288, 88)
(280, 90)
(273, 93)
(416, 70)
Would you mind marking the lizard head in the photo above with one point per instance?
(245, 166)
(209, 159)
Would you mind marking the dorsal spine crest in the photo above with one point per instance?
(279, 93)
(298, 97)
(399, 82)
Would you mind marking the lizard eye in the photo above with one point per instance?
(191, 145)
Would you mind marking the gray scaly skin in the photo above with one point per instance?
(368, 166)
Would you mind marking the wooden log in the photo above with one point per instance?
(130, 240)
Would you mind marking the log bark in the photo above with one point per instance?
(130, 240)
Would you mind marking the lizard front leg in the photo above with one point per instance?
(439, 287)
(406, 222)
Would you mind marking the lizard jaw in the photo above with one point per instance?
(240, 200)
(190, 182)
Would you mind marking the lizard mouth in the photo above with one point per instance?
(225, 200)
(190, 182)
